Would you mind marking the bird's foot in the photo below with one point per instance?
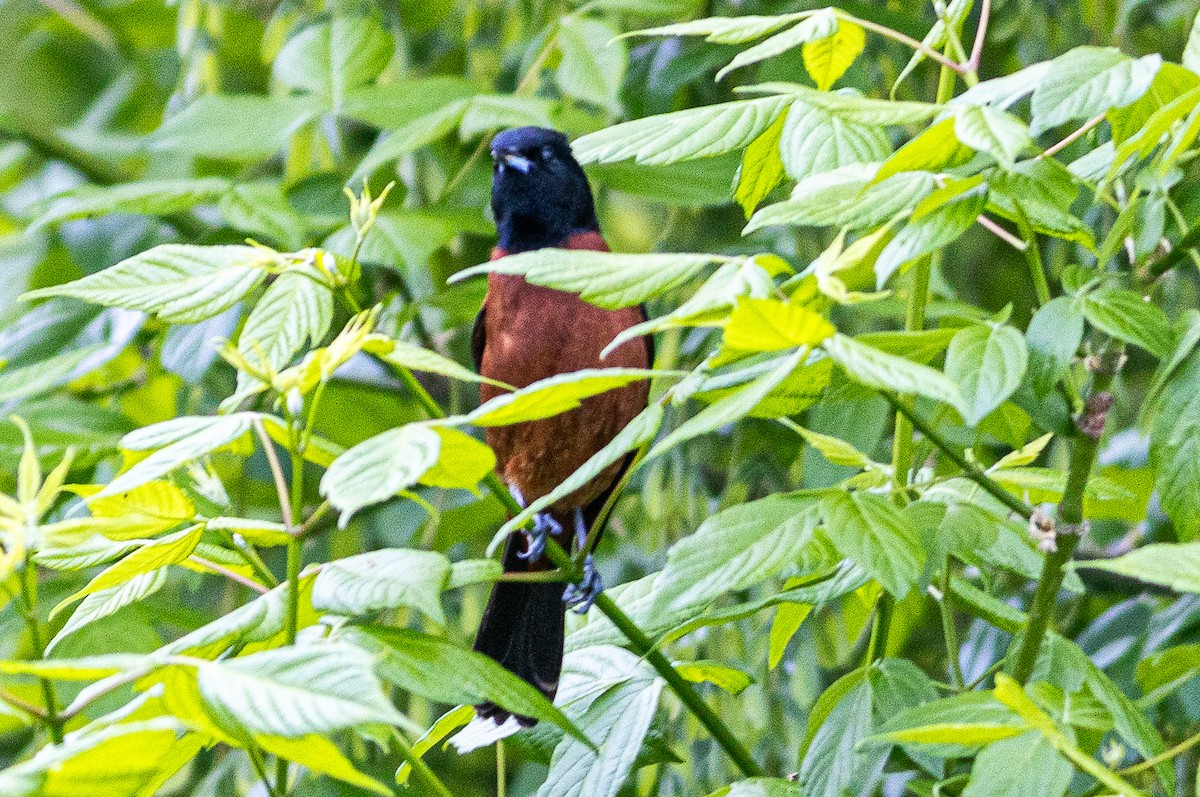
(581, 596)
(543, 527)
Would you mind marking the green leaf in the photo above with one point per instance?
(771, 325)
(295, 691)
(446, 673)
(737, 548)
(1191, 52)
(952, 727)
(987, 362)
(257, 532)
(991, 130)
(828, 58)
(690, 184)
(877, 369)
(145, 197)
(847, 198)
(831, 764)
(126, 759)
(616, 719)
(815, 139)
(179, 283)
(322, 756)
(462, 463)
(732, 406)
(1039, 192)
(380, 580)
(412, 136)
(446, 724)
(263, 209)
(818, 26)
(333, 58)
(104, 602)
(871, 531)
(1023, 765)
(1175, 447)
(554, 395)
(1175, 566)
(1170, 84)
(240, 128)
(761, 169)
(411, 357)
(682, 135)
(935, 149)
(939, 219)
(26, 381)
(760, 787)
(732, 680)
(294, 313)
(722, 30)
(168, 550)
(177, 441)
(604, 279)
(400, 103)
(379, 468)
(593, 65)
(1087, 81)
(787, 621)
(1132, 318)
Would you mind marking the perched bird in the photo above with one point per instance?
(524, 333)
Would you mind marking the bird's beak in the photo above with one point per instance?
(519, 162)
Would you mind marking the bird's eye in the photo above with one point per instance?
(547, 152)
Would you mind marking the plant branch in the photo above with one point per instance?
(644, 647)
(419, 766)
(1069, 521)
(985, 12)
(1166, 755)
(1073, 137)
(281, 488)
(22, 705)
(969, 470)
(639, 642)
(1177, 255)
(905, 39)
(29, 591)
(1001, 233)
(232, 575)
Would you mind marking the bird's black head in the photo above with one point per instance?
(540, 195)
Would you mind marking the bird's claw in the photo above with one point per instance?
(543, 527)
(581, 596)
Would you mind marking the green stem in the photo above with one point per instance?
(638, 641)
(1177, 255)
(1069, 523)
(29, 591)
(644, 647)
(949, 632)
(1165, 755)
(877, 647)
(1033, 256)
(419, 766)
(969, 470)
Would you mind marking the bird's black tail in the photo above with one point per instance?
(522, 629)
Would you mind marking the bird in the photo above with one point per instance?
(525, 333)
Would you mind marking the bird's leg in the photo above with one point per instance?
(543, 526)
(581, 596)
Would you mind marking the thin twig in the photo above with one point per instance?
(972, 472)
(1166, 755)
(1071, 139)
(985, 12)
(281, 488)
(1001, 233)
(896, 35)
(232, 575)
(22, 705)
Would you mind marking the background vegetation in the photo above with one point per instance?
(220, 557)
